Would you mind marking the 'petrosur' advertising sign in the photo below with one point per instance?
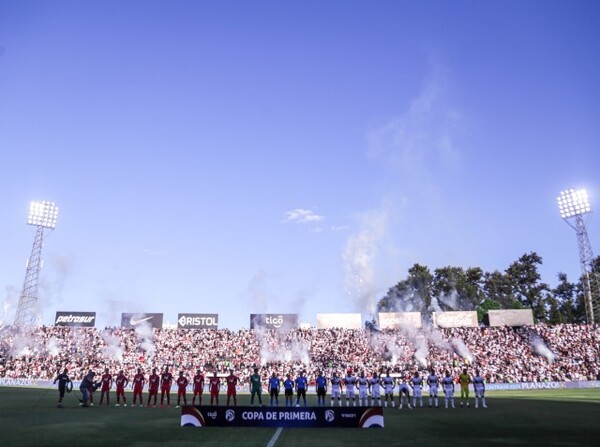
(75, 319)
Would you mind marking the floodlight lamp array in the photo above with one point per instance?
(43, 214)
(573, 203)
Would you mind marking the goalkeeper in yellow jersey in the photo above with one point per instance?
(464, 379)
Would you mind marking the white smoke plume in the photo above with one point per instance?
(145, 337)
(53, 280)
(434, 306)
(461, 349)
(25, 341)
(539, 347)
(53, 346)
(113, 349)
(359, 260)
(436, 338)
(258, 293)
(8, 304)
(450, 300)
(22, 345)
(276, 346)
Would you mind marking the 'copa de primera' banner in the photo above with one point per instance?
(296, 417)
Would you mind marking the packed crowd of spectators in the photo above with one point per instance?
(503, 354)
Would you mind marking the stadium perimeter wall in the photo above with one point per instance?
(33, 383)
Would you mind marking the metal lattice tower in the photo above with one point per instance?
(589, 276)
(573, 206)
(43, 216)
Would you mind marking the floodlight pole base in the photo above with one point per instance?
(27, 310)
(590, 280)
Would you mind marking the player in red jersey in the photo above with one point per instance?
(198, 387)
(153, 382)
(139, 380)
(232, 381)
(182, 383)
(107, 382)
(214, 386)
(121, 381)
(166, 379)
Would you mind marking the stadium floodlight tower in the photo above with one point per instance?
(573, 206)
(42, 215)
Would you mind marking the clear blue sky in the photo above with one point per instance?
(289, 156)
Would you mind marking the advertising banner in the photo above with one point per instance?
(455, 319)
(511, 317)
(75, 319)
(274, 321)
(399, 320)
(304, 417)
(198, 321)
(347, 321)
(132, 320)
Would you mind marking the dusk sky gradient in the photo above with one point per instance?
(238, 157)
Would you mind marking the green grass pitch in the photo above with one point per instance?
(29, 417)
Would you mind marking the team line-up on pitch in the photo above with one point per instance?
(351, 389)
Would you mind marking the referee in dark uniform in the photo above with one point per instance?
(62, 380)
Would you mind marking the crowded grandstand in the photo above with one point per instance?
(539, 353)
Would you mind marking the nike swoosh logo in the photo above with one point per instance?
(134, 322)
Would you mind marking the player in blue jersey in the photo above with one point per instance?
(479, 387)
(301, 384)
(416, 382)
(274, 385)
(288, 390)
(321, 387)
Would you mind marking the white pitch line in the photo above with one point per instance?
(275, 437)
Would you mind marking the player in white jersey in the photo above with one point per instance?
(448, 386)
(349, 382)
(433, 381)
(336, 389)
(375, 389)
(416, 382)
(403, 390)
(389, 383)
(363, 389)
(479, 387)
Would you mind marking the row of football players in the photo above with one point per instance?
(366, 389)
(164, 381)
(369, 389)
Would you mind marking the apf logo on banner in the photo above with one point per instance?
(274, 321)
(75, 319)
(131, 321)
(198, 321)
